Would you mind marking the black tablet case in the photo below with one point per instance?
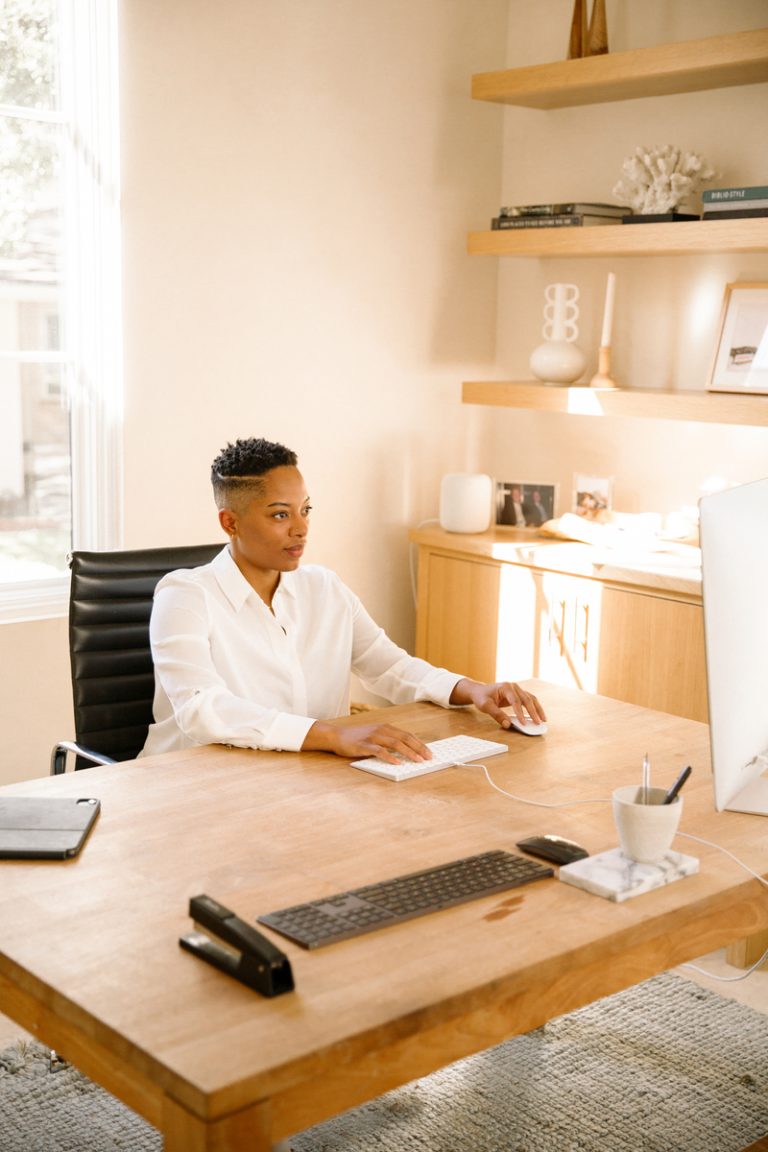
(45, 827)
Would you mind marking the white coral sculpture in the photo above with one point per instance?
(659, 179)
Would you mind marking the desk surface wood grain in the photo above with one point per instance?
(89, 954)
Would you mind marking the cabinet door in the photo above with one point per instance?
(458, 611)
(652, 653)
(568, 648)
(476, 617)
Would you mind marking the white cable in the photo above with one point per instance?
(726, 979)
(411, 559)
(711, 844)
(537, 803)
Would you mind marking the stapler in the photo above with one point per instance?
(252, 958)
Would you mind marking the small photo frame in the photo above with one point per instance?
(524, 504)
(591, 495)
(741, 353)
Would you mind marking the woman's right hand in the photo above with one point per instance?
(360, 740)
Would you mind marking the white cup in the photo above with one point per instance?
(646, 831)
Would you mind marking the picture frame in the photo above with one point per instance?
(591, 495)
(740, 361)
(524, 504)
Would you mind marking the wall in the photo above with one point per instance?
(667, 309)
(297, 183)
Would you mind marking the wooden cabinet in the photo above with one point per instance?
(501, 620)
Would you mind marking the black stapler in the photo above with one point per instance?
(255, 960)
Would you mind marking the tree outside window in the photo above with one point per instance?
(58, 251)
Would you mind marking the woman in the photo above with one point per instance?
(255, 651)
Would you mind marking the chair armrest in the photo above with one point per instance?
(60, 751)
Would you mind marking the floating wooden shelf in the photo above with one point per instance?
(686, 237)
(691, 66)
(707, 407)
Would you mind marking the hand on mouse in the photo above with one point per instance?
(494, 698)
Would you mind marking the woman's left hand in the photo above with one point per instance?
(494, 698)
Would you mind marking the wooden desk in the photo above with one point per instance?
(89, 955)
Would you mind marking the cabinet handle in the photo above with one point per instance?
(584, 642)
(562, 627)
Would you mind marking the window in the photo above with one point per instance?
(60, 353)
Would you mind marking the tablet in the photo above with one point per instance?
(45, 827)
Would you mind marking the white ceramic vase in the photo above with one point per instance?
(559, 360)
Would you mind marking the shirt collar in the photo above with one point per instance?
(235, 586)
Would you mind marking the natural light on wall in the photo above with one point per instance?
(60, 347)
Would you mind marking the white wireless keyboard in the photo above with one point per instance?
(445, 754)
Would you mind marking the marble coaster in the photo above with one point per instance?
(613, 875)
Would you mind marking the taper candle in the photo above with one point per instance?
(610, 292)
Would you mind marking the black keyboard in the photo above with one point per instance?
(362, 910)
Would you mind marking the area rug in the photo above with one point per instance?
(664, 1067)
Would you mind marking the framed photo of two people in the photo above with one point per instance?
(523, 504)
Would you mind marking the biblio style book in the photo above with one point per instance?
(571, 220)
(747, 192)
(733, 212)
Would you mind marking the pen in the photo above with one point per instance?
(672, 794)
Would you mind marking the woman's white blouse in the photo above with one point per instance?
(229, 671)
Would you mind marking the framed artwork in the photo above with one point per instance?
(741, 353)
(524, 504)
(591, 495)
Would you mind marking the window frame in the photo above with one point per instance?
(90, 357)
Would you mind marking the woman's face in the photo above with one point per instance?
(270, 534)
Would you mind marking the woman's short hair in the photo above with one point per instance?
(238, 469)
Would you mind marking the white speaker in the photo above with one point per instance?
(465, 502)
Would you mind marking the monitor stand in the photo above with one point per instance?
(753, 798)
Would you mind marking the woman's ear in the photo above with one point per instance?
(228, 521)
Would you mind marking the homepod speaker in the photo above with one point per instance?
(465, 502)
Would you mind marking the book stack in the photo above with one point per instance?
(572, 214)
(734, 203)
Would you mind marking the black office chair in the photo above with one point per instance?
(113, 678)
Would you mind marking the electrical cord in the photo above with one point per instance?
(685, 835)
(537, 803)
(412, 559)
(757, 876)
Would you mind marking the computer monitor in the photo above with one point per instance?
(734, 562)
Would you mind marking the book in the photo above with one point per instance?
(562, 220)
(746, 192)
(735, 214)
(569, 208)
(658, 217)
(717, 206)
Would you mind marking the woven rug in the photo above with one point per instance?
(664, 1067)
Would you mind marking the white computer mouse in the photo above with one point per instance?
(528, 728)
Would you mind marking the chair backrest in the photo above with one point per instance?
(113, 680)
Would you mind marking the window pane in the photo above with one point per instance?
(35, 487)
(28, 53)
(60, 378)
(30, 212)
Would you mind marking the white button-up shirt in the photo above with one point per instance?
(230, 671)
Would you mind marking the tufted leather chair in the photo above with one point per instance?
(113, 680)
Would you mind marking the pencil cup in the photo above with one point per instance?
(646, 831)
